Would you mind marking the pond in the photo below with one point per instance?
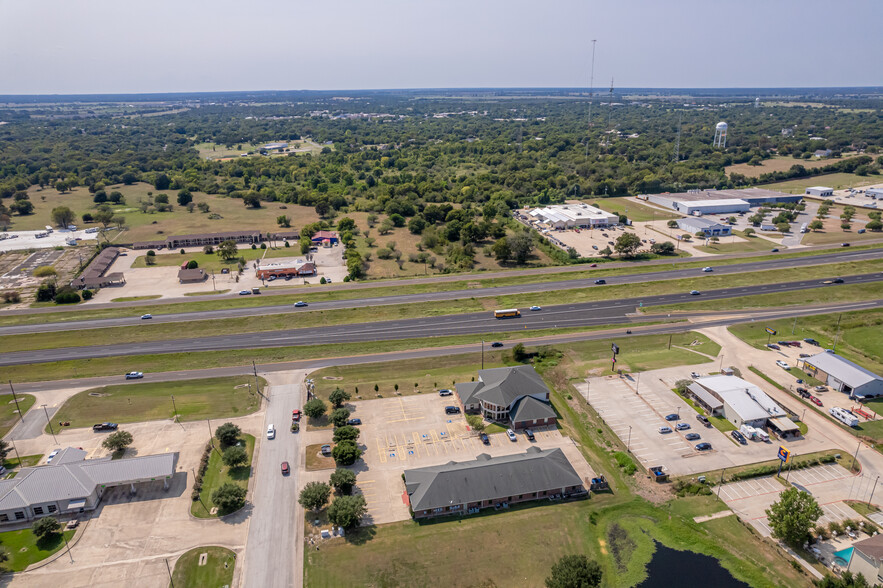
(686, 569)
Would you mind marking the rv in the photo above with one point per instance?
(749, 431)
(844, 416)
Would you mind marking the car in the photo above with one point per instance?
(295, 415)
(738, 437)
(782, 364)
(452, 410)
(602, 281)
(773, 346)
(285, 469)
(134, 375)
(838, 280)
(672, 417)
(300, 304)
(804, 393)
(811, 341)
(694, 292)
(703, 447)
(821, 388)
(844, 244)
(485, 439)
(271, 278)
(692, 436)
(445, 392)
(799, 381)
(594, 265)
(354, 422)
(536, 308)
(496, 344)
(595, 247)
(325, 449)
(694, 375)
(52, 455)
(682, 426)
(271, 432)
(144, 317)
(105, 427)
(703, 419)
(861, 231)
(530, 435)
(707, 269)
(815, 401)
(511, 435)
(774, 250)
(664, 430)
(245, 292)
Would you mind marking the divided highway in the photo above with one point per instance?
(559, 316)
(288, 308)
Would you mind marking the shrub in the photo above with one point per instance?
(11, 296)
(87, 294)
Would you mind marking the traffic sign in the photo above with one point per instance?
(615, 348)
(784, 454)
(771, 331)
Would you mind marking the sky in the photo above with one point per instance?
(113, 46)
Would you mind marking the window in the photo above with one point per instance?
(19, 515)
(4, 518)
(52, 508)
(38, 510)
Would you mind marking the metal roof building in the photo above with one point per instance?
(695, 224)
(843, 375)
(743, 402)
(514, 394)
(568, 216)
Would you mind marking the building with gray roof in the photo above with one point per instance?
(843, 375)
(740, 402)
(515, 395)
(466, 487)
(72, 484)
(695, 224)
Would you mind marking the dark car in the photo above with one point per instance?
(530, 435)
(300, 304)
(703, 419)
(485, 439)
(844, 244)
(600, 281)
(104, 427)
(703, 447)
(285, 469)
(692, 436)
(739, 437)
(773, 346)
(496, 344)
(354, 422)
(774, 250)
(671, 417)
(452, 410)
(838, 280)
(811, 341)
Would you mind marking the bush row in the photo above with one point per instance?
(203, 466)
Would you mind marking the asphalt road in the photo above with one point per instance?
(560, 316)
(288, 308)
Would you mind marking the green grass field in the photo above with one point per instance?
(24, 549)
(216, 572)
(727, 246)
(217, 474)
(836, 181)
(211, 261)
(9, 415)
(635, 211)
(210, 398)
(11, 462)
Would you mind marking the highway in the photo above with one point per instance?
(288, 308)
(559, 316)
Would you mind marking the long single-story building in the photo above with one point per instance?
(740, 402)
(822, 191)
(843, 375)
(72, 484)
(719, 201)
(95, 275)
(247, 236)
(325, 237)
(696, 224)
(568, 216)
(514, 395)
(283, 268)
(469, 486)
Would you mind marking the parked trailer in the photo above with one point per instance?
(749, 431)
(844, 416)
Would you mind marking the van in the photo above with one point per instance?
(255, 290)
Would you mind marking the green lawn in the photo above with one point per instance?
(210, 398)
(728, 245)
(9, 415)
(836, 181)
(212, 261)
(719, 423)
(217, 474)
(136, 298)
(633, 210)
(11, 462)
(24, 549)
(216, 572)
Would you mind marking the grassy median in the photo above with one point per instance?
(9, 414)
(216, 571)
(217, 474)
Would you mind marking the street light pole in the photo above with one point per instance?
(872, 490)
(175, 408)
(628, 445)
(49, 422)
(719, 486)
(482, 354)
(854, 457)
(15, 398)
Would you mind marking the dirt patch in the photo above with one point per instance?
(621, 545)
(317, 461)
(331, 378)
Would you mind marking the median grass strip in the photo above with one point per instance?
(24, 549)
(217, 474)
(9, 411)
(209, 398)
(216, 570)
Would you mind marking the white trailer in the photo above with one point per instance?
(749, 431)
(844, 416)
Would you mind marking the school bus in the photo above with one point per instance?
(508, 313)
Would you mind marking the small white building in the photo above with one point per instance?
(568, 216)
(876, 193)
(694, 224)
(820, 191)
(743, 402)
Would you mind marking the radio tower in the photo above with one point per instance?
(677, 154)
(609, 114)
(591, 89)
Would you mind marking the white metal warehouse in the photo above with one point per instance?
(568, 216)
(843, 375)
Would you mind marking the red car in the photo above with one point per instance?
(285, 469)
(295, 415)
(815, 401)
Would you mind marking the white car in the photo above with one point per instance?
(134, 375)
(146, 316)
(707, 269)
(511, 434)
(782, 364)
(664, 430)
(271, 432)
(536, 308)
(52, 455)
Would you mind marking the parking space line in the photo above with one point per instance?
(381, 450)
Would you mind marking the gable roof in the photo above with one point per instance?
(487, 478)
(503, 386)
(466, 391)
(851, 374)
(529, 408)
(872, 546)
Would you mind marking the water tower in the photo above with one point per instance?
(757, 102)
(720, 135)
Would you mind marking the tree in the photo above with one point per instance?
(815, 225)
(162, 182)
(748, 232)
(118, 441)
(501, 249)
(397, 219)
(229, 497)
(346, 224)
(606, 252)
(184, 197)
(192, 264)
(343, 480)
(627, 244)
(346, 452)
(672, 224)
(416, 225)
(845, 226)
(235, 456)
(475, 422)
(521, 245)
(518, 352)
(847, 580)
(347, 511)
(874, 225)
(228, 434)
(103, 216)
(252, 199)
(315, 408)
(161, 199)
(346, 433)
(228, 250)
(574, 571)
(314, 495)
(208, 249)
(793, 515)
(100, 197)
(283, 221)
(339, 417)
(664, 248)
(385, 227)
(22, 207)
(46, 527)
(338, 396)
(62, 186)
(783, 227)
(119, 221)
(63, 216)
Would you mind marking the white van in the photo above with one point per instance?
(271, 432)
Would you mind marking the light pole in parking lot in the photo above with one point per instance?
(872, 490)
(721, 483)
(49, 422)
(628, 445)
(175, 408)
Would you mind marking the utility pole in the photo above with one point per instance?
(669, 340)
(256, 386)
(719, 486)
(794, 326)
(872, 490)
(854, 457)
(15, 398)
(482, 354)
(175, 408)
(628, 445)
(837, 336)
(49, 422)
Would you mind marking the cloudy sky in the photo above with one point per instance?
(102, 46)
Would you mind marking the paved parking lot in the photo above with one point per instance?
(634, 406)
(414, 431)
